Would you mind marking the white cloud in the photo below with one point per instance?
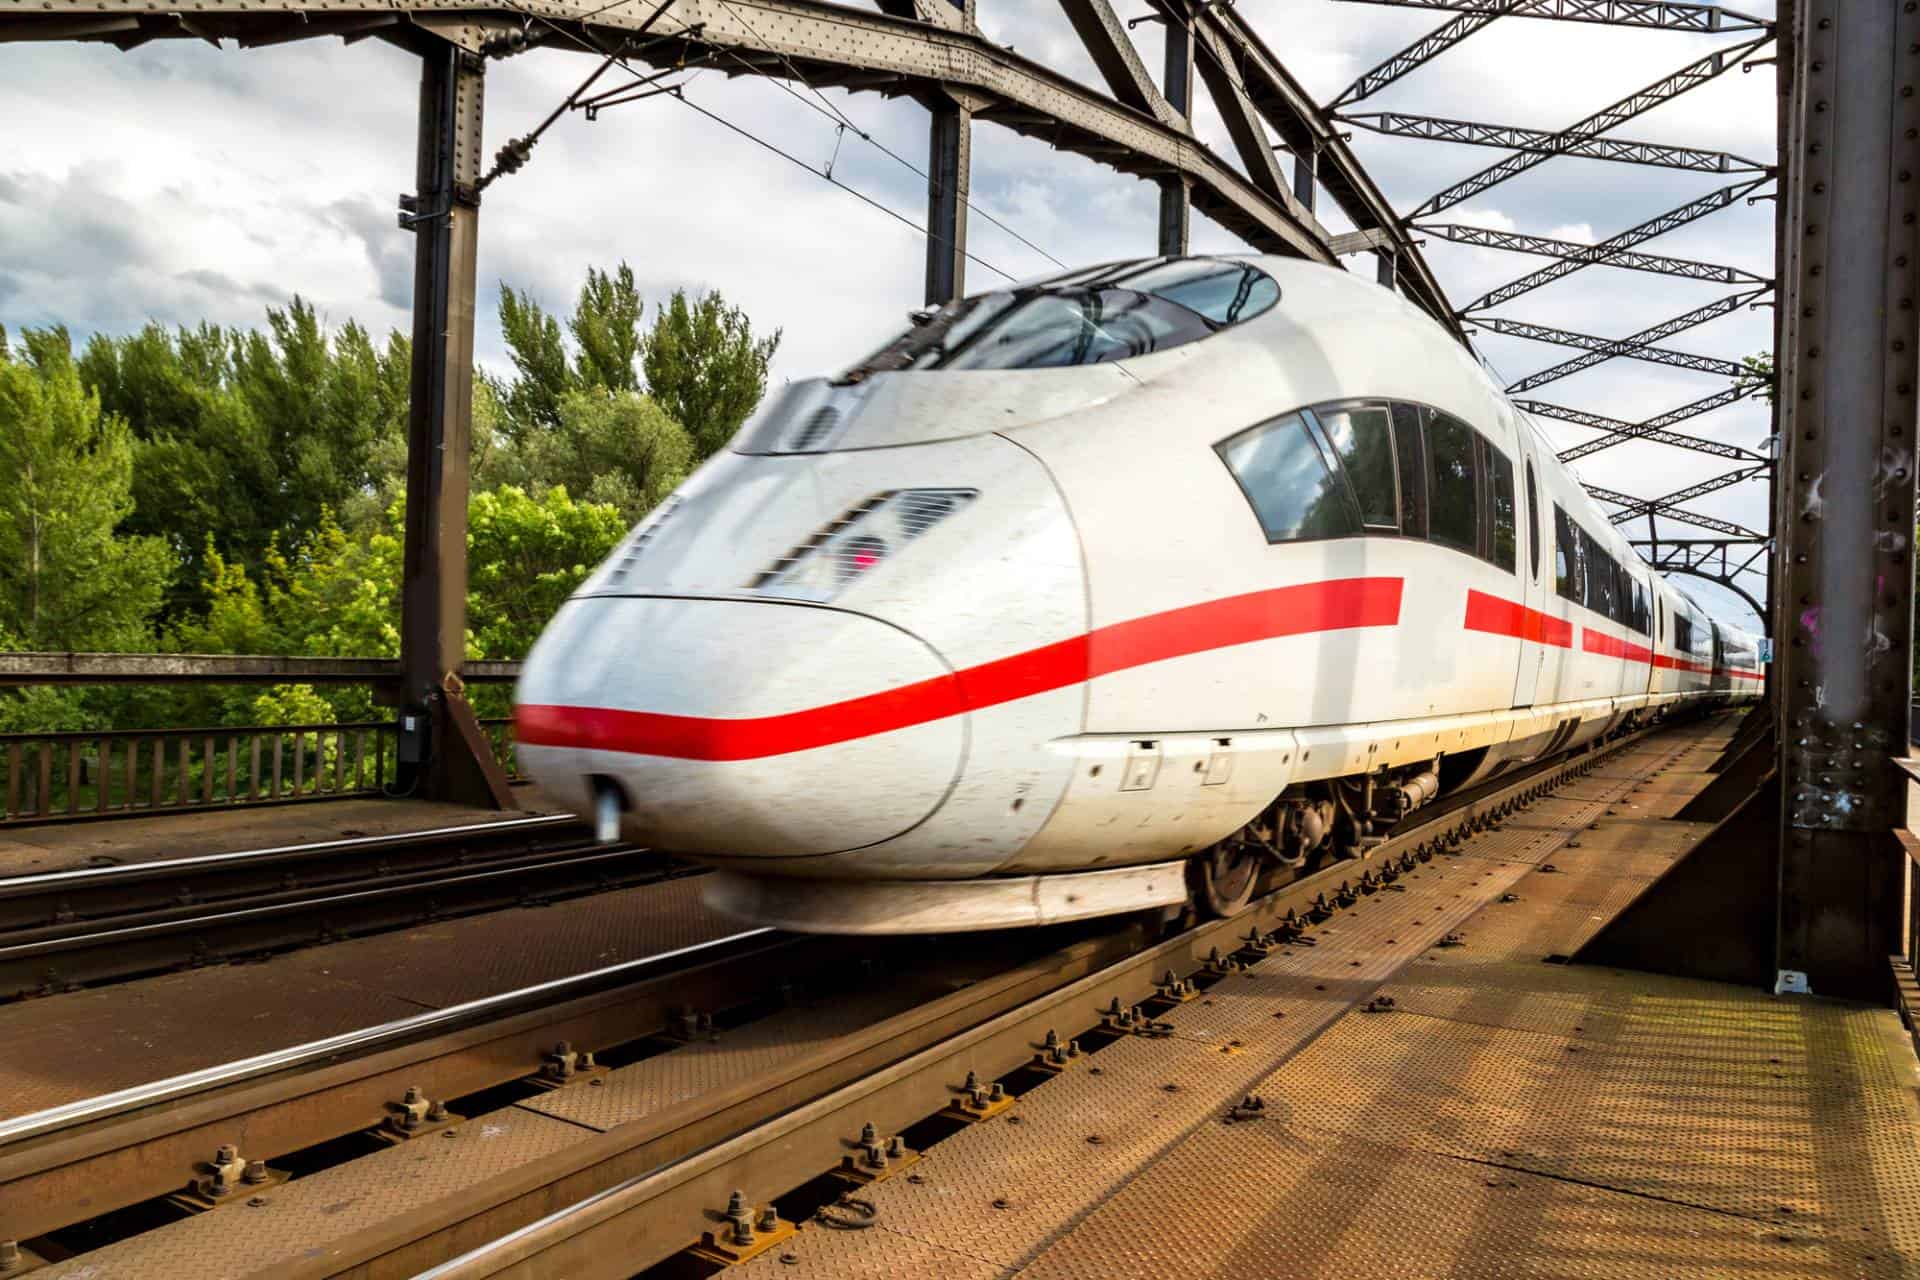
(208, 184)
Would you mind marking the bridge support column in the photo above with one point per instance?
(949, 170)
(444, 755)
(1849, 287)
(1175, 201)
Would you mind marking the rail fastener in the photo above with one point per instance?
(745, 1236)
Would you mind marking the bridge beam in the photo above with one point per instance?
(949, 178)
(443, 755)
(1850, 279)
(1177, 79)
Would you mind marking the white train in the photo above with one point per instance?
(1096, 594)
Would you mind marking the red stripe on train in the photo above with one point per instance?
(1336, 605)
(1500, 617)
(1613, 646)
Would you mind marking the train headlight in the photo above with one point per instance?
(858, 541)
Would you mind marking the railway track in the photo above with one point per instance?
(772, 1109)
(67, 929)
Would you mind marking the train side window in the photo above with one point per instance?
(1600, 575)
(1292, 490)
(1533, 521)
(1410, 446)
(1363, 441)
(1500, 502)
(1566, 555)
(1453, 510)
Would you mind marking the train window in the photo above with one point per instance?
(1602, 576)
(1533, 522)
(1092, 326)
(1453, 510)
(1566, 556)
(1291, 488)
(1410, 446)
(1224, 292)
(1500, 504)
(1113, 312)
(1363, 441)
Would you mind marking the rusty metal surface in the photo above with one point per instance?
(1266, 1200)
(460, 960)
(1354, 949)
(115, 1037)
(60, 847)
(1504, 1117)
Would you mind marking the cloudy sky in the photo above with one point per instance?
(179, 183)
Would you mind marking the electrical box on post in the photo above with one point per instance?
(416, 729)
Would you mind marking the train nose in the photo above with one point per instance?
(728, 725)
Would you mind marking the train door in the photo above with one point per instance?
(1534, 565)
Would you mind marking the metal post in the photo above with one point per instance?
(1178, 87)
(1305, 161)
(433, 609)
(1850, 279)
(949, 165)
(1383, 267)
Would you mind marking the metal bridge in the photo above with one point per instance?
(1802, 881)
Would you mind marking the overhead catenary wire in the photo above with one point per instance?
(676, 92)
(840, 117)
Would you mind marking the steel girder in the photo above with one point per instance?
(1308, 132)
(1604, 252)
(1417, 54)
(1655, 428)
(1665, 89)
(1607, 350)
(1668, 504)
(1401, 124)
(1695, 558)
(1588, 342)
(1685, 268)
(831, 44)
(1620, 13)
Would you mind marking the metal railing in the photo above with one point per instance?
(50, 776)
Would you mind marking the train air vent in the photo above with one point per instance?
(817, 426)
(625, 557)
(857, 541)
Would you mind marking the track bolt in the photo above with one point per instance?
(868, 1134)
(255, 1174)
(896, 1146)
(9, 1254)
(437, 1111)
(997, 1092)
(1053, 1039)
(227, 1154)
(769, 1218)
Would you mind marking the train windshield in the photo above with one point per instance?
(1088, 317)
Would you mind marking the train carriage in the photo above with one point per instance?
(1099, 593)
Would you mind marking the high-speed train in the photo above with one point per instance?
(1112, 591)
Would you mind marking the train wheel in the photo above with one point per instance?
(1222, 879)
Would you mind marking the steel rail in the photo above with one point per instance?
(816, 1125)
(68, 938)
(137, 1097)
(294, 1108)
(87, 877)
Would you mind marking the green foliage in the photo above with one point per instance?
(706, 368)
(248, 437)
(214, 490)
(525, 556)
(68, 578)
(1757, 373)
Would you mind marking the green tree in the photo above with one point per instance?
(617, 448)
(526, 556)
(532, 399)
(705, 367)
(606, 330)
(1757, 372)
(68, 578)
